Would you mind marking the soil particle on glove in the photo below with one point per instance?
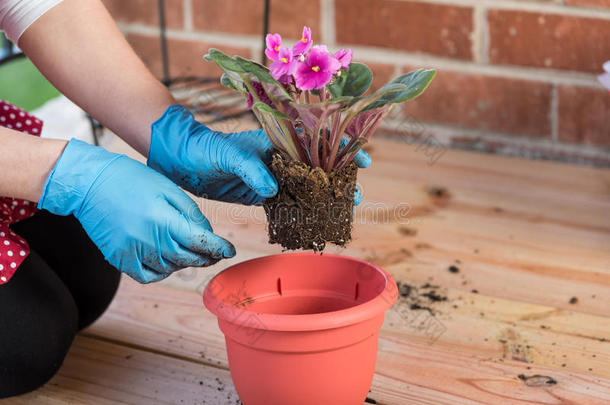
(453, 269)
(574, 300)
(311, 207)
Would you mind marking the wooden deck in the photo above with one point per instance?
(526, 318)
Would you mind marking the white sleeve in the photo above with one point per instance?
(17, 15)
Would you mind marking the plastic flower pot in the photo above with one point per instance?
(301, 328)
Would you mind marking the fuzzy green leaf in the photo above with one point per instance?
(223, 60)
(261, 73)
(415, 83)
(358, 104)
(225, 81)
(353, 82)
(266, 108)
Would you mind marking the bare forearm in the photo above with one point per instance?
(78, 47)
(26, 163)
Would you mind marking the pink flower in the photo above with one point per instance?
(317, 69)
(344, 56)
(274, 43)
(300, 49)
(285, 65)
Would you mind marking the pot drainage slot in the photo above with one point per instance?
(279, 286)
(357, 292)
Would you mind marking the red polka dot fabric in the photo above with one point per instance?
(13, 248)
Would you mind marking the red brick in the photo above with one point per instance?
(186, 57)
(246, 16)
(593, 3)
(411, 26)
(548, 40)
(146, 12)
(485, 102)
(584, 115)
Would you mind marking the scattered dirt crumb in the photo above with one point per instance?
(437, 191)
(439, 195)
(537, 380)
(423, 246)
(422, 297)
(406, 231)
(454, 269)
(474, 291)
(573, 300)
(370, 400)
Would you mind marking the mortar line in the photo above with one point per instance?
(484, 35)
(188, 15)
(520, 5)
(554, 113)
(447, 131)
(327, 18)
(476, 39)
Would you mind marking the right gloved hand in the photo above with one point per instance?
(143, 223)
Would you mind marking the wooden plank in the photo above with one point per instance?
(97, 372)
(468, 363)
(528, 236)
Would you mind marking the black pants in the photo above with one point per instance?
(63, 286)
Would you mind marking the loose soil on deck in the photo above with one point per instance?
(312, 208)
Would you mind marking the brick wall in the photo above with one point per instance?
(516, 77)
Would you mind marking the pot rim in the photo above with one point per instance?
(306, 322)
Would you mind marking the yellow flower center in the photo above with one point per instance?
(277, 48)
(304, 40)
(284, 60)
(315, 68)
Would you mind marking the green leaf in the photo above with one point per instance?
(415, 83)
(223, 60)
(357, 145)
(265, 108)
(261, 73)
(353, 82)
(359, 104)
(225, 81)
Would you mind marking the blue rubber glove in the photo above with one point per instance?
(227, 167)
(143, 223)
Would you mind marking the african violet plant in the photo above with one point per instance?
(315, 111)
(320, 93)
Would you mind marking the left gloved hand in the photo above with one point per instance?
(227, 167)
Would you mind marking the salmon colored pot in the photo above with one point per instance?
(301, 328)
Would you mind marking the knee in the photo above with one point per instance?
(92, 302)
(38, 352)
(38, 323)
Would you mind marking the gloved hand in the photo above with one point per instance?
(143, 223)
(227, 167)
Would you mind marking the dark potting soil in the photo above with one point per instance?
(311, 208)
